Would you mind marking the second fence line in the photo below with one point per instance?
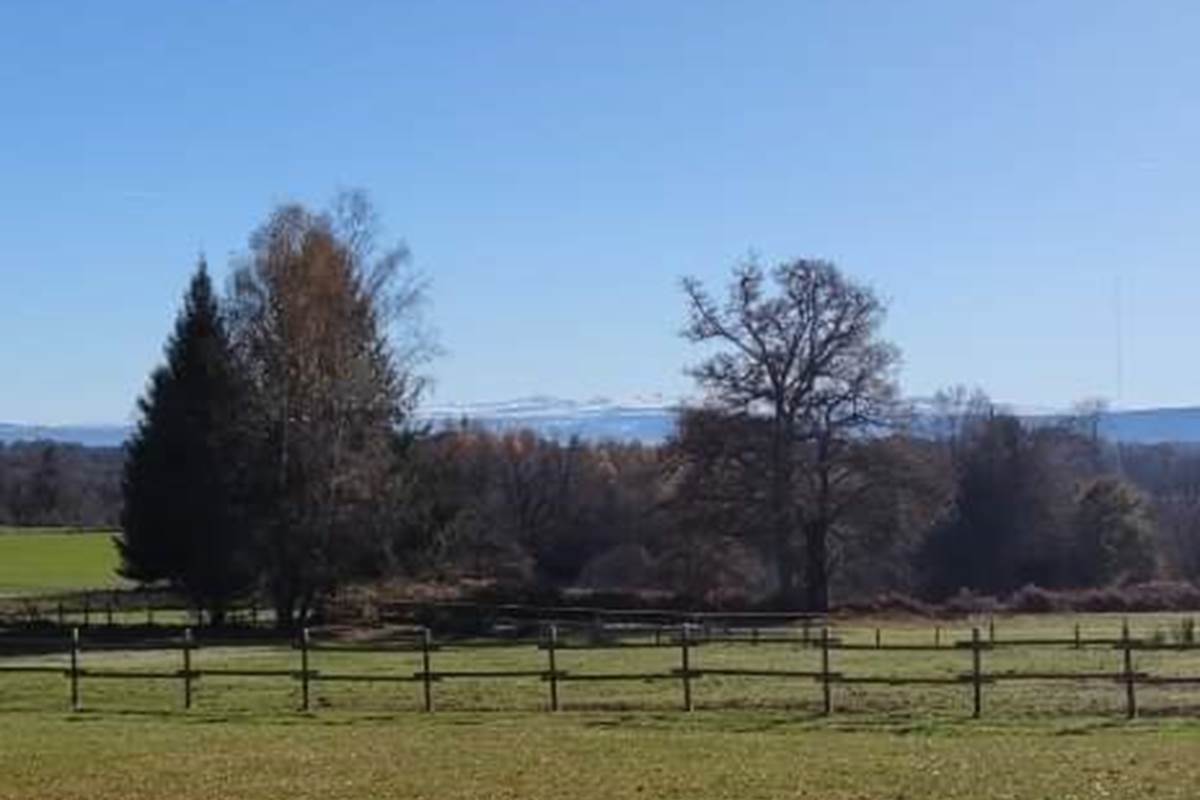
(686, 640)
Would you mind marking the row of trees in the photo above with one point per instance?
(52, 484)
(276, 453)
(929, 517)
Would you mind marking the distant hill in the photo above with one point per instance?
(87, 435)
(648, 420)
(652, 421)
(1153, 425)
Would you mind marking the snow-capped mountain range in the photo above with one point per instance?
(648, 419)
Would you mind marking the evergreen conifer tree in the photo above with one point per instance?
(184, 521)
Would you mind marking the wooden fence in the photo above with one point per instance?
(158, 607)
(685, 639)
(113, 608)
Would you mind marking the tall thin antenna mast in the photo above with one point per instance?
(1120, 345)
(1120, 398)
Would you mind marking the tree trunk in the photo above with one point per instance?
(787, 573)
(816, 568)
(783, 528)
(285, 609)
(306, 607)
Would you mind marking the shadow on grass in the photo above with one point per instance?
(707, 721)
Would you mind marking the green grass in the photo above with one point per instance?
(760, 738)
(46, 560)
(575, 756)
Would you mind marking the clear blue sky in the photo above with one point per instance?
(993, 169)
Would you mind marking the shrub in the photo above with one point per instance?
(1150, 596)
(1109, 600)
(967, 602)
(1032, 599)
(1163, 596)
(889, 603)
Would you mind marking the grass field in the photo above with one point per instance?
(749, 738)
(46, 560)
(759, 738)
(576, 756)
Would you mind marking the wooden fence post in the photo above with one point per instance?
(991, 630)
(937, 636)
(187, 668)
(976, 674)
(1078, 639)
(686, 666)
(878, 639)
(1130, 692)
(552, 641)
(826, 692)
(426, 676)
(304, 668)
(75, 706)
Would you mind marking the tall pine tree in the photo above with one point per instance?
(183, 520)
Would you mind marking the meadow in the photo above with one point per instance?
(337, 657)
(46, 560)
(489, 737)
(585, 757)
(750, 737)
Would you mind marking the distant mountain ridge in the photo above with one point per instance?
(652, 420)
(649, 420)
(645, 419)
(1152, 425)
(87, 435)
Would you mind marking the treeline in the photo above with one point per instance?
(984, 503)
(277, 455)
(990, 507)
(52, 484)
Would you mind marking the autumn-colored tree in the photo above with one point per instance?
(312, 306)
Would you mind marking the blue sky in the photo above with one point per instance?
(993, 169)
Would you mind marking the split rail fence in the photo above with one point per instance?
(685, 639)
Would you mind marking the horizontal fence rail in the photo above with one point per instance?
(686, 640)
(119, 608)
(141, 607)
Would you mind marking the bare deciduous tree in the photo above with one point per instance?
(807, 359)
